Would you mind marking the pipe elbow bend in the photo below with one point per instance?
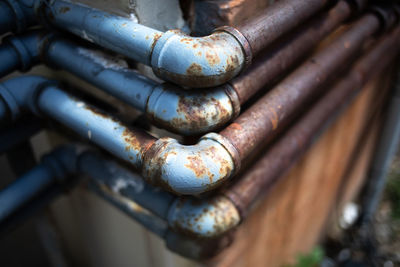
(198, 61)
(21, 93)
(192, 112)
(200, 218)
(189, 170)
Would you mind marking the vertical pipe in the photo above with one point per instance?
(385, 149)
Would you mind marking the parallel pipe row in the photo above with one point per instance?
(166, 105)
(202, 167)
(211, 217)
(210, 61)
(174, 56)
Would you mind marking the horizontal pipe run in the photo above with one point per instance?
(51, 171)
(179, 168)
(9, 59)
(277, 107)
(16, 15)
(280, 57)
(6, 18)
(189, 61)
(284, 153)
(168, 106)
(176, 57)
(158, 211)
(23, 190)
(277, 19)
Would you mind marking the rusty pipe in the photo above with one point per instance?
(174, 56)
(284, 153)
(278, 58)
(178, 168)
(269, 113)
(166, 105)
(277, 19)
(213, 216)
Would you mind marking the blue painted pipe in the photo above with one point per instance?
(190, 61)
(16, 15)
(168, 106)
(24, 189)
(181, 169)
(6, 18)
(51, 171)
(125, 190)
(9, 59)
(21, 53)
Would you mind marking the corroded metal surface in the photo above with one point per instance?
(278, 19)
(277, 59)
(210, 14)
(197, 61)
(282, 154)
(191, 112)
(188, 169)
(275, 109)
(189, 61)
(204, 218)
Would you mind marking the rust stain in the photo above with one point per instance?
(194, 69)
(347, 45)
(273, 118)
(156, 37)
(131, 140)
(236, 126)
(196, 165)
(212, 58)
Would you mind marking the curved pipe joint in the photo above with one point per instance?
(189, 61)
(198, 61)
(178, 168)
(166, 105)
(192, 112)
(208, 218)
(190, 170)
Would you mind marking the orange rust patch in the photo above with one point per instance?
(194, 69)
(235, 126)
(196, 165)
(156, 37)
(131, 140)
(273, 118)
(212, 58)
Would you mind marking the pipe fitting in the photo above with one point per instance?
(198, 61)
(192, 112)
(25, 97)
(188, 169)
(209, 218)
